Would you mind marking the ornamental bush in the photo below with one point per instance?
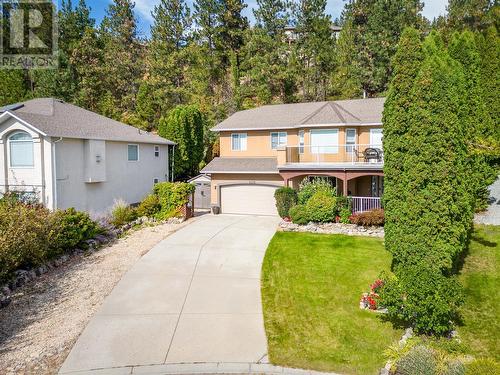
(122, 213)
(321, 207)
(172, 196)
(149, 207)
(299, 214)
(286, 198)
(68, 229)
(369, 218)
(308, 188)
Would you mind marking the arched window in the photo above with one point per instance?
(21, 150)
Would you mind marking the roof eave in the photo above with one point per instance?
(216, 129)
(12, 115)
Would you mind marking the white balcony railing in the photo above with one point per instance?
(342, 153)
(363, 204)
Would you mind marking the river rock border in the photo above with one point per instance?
(24, 276)
(333, 228)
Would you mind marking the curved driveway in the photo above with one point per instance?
(195, 297)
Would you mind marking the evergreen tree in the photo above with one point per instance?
(472, 14)
(122, 67)
(13, 87)
(315, 48)
(376, 26)
(185, 126)
(272, 16)
(477, 122)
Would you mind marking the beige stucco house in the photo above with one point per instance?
(70, 157)
(264, 148)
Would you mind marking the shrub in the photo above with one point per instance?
(299, 214)
(286, 198)
(150, 206)
(321, 207)
(424, 297)
(308, 188)
(68, 229)
(122, 213)
(369, 218)
(172, 196)
(419, 361)
(24, 233)
(345, 215)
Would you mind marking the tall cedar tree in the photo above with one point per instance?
(314, 49)
(476, 15)
(479, 125)
(122, 64)
(375, 27)
(396, 119)
(489, 47)
(433, 222)
(185, 125)
(13, 87)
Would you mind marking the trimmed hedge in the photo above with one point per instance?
(286, 198)
(369, 218)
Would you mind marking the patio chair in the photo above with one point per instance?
(371, 154)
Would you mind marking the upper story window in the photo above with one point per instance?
(278, 139)
(350, 140)
(376, 137)
(239, 141)
(324, 141)
(21, 150)
(157, 151)
(301, 141)
(133, 153)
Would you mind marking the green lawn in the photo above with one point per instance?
(481, 280)
(311, 289)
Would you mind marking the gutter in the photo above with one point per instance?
(54, 172)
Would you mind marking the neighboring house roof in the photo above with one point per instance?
(201, 178)
(56, 118)
(315, 114)
(242, 165)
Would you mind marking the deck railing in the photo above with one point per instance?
(341, 153)
(363, 204)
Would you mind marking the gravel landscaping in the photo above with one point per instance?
(45, 317)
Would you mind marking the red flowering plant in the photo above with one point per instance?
(370, 300)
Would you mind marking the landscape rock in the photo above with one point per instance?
(333, 228)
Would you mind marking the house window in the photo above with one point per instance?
(350, 140)
(21, 150)
(325, 141)
(376, 136)
(133, 152)
(278, 139)
(301, 142)
(157, 151)
(239, 142)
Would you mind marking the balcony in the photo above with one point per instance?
(366, 156)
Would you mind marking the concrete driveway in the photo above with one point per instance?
(194, 298)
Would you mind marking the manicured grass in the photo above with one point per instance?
(481, 280)
(311, 289)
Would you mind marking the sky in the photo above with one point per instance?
(143, 8)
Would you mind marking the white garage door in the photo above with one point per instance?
(248, 200)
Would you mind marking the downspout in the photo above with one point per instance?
(54, 173)
(173, 163)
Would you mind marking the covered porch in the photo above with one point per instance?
(364, 187)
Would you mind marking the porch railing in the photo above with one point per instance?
(340, 153)
(363, 204)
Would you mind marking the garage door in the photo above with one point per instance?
(248, 200)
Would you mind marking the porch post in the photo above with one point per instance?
(344, 185)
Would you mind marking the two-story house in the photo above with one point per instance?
(264, 148)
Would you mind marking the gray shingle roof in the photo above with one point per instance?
(285, 116)
(241, 165)
(56, 118)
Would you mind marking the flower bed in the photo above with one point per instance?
(333, 228)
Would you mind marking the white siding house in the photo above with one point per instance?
(71, 157)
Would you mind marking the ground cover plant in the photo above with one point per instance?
(311, 286)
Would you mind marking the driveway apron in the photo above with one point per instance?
(195, 297)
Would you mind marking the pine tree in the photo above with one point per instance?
(13, 87)
(272, 16)
(472, 14)
(122, 52)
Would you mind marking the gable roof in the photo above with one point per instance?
(56, 118)
(285, 116)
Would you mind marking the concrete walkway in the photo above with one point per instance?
(194, 298)
(492, 215)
